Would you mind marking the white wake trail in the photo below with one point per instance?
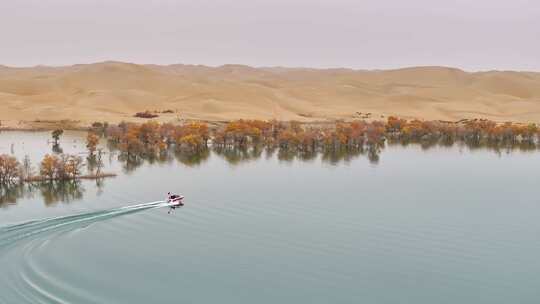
(13, 233)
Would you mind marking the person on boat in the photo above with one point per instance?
(172, 197)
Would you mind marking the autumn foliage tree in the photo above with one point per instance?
(130, 142)
(92, 141)
(48, 166)
(152, 138)
(242, 132)
(10, 169)
(61, 167)
(473, 132)
(395, 124)
(191, 137)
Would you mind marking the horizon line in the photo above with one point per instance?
(266, 66)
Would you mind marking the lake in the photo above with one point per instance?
(439, 225)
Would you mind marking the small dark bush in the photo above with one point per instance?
(146, 114)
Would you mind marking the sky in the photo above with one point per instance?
(361, 34)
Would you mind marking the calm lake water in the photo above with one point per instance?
(445, 225)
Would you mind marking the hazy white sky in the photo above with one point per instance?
(363, 34)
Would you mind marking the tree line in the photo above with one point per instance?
(152, 138)
(475, 131)
(246, 139)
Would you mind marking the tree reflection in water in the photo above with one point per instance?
(60, 191)
(9, 194)
(70, 191)
(57, 149)
(130, 162)
(192, 159)
(237, 155)
(52, 192)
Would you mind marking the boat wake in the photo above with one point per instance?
(11, 234)
(23, 276)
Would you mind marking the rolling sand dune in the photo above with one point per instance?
(114, 91)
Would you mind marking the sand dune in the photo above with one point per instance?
(114, 91)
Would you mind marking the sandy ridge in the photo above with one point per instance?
(114, 91)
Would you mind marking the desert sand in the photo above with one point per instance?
(115, 91)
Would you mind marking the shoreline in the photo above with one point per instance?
(69, 125)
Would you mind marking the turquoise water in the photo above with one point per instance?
(446, 225)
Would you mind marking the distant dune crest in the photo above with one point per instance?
(115, 91)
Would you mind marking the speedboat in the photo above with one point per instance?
(175, 200)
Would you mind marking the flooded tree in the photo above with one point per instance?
(191, 137)
(130, 142)
(99, 162)
(27, 169)
(92, 141)
(48, 166)
(10, 169)
(61, 167)
(56, 135)
(74, 166)
(244, 132)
